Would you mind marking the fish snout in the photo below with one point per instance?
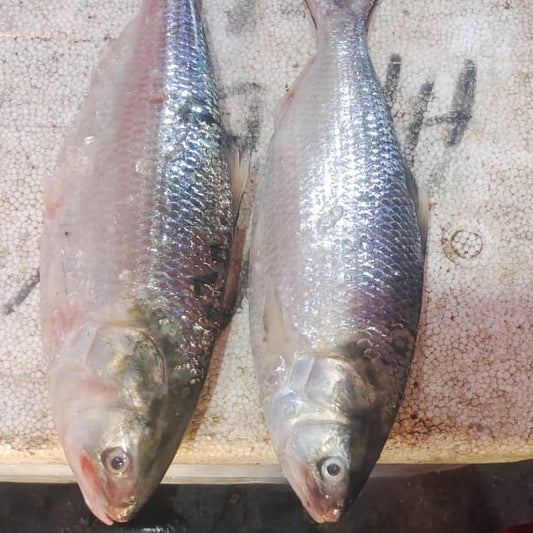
(124, 511)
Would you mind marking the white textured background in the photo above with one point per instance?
(460, 83)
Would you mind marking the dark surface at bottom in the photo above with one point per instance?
(470, 499)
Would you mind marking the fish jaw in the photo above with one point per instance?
(326, 464)
(108, 502)
(317, 461)
(110, 498)
(92, 491)
(320, 508)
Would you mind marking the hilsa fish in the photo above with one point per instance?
(336, 269)
(138, 228)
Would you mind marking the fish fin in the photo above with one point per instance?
(277, 337)
(239, 169)
(323, 9)
(239, 161)
(423, 214)
(285, 101)
(420, 196)
(237, 271)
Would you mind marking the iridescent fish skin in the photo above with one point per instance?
(336, 269)
(138, 228)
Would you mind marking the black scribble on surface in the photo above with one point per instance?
(241, 18)
(392, 78)
(415, 126)
(22, 294)
(254, 121)
(463, 101)
(462, 104)
(248, 136)
(237, 89)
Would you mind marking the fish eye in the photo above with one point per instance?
(116, 461)
(332, 469)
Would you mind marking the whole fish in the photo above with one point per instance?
(137, 232)
(336, 269)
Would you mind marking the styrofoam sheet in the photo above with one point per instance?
(458, 78)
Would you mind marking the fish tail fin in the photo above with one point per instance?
(321, 10)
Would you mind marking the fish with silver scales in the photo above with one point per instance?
(138, 228)
(336, 269)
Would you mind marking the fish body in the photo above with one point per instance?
(138, 227)
(336, 269)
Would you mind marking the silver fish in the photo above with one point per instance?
(137, 231)
(336, 269)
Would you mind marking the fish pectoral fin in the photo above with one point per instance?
(420, 196)
(277, 334)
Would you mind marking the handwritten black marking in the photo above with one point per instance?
(22, 294)
(463, 101)
(254, 122)
(392, 78)
(238, 89)
(462, 104)
(420, 108)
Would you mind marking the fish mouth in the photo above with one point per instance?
(122, 513)
(109, 514)
(321, 510)
(331, 514)
(320, 507)
(101, 501)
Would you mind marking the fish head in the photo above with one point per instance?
(110, 411)
(327, 435)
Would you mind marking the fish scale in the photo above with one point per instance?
(137, 234)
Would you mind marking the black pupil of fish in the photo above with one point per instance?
(333, 469)
(117, 463)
